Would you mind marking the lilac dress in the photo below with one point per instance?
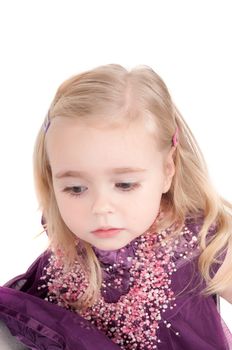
(139, 308)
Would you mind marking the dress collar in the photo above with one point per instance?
(120, 257)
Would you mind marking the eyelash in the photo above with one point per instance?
(133, 186)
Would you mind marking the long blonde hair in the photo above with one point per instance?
(110, 91)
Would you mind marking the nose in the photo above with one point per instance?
(102, 204)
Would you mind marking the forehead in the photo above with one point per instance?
(72, 143)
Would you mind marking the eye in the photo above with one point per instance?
(127, 186)
(75, 190)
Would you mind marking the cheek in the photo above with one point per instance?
(147, 205)
(154, 192)
(70, 209)
(152, 205)
(153, 199)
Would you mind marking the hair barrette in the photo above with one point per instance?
(47, 123)
(175, 138)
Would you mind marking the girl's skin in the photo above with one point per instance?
(103, 197)
(106, 176)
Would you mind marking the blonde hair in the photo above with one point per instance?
(109, 92)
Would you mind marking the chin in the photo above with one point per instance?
(111, 245)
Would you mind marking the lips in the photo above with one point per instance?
(105, 229)
(106, 232)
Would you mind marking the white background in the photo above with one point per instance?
(44, 42)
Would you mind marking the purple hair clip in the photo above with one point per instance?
(47, 123)
(175, 138)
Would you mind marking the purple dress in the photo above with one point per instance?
(139, 308)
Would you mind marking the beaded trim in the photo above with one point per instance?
(131, 322)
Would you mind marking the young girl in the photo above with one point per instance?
(140, 243)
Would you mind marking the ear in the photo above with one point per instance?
(169, 169)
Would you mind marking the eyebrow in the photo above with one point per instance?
(82, 174)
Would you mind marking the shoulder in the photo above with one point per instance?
(28, 282)
(182, 325)
(187, 326)
(185, 252)
(187, 244)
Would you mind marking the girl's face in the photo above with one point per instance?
(106, 179)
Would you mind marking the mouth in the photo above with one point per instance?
(105, 232)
